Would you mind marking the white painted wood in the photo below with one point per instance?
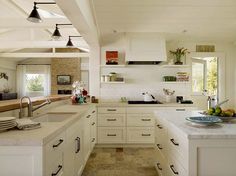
(24, 160)
(145, 47)
(135, 120)
(86, 136)
(93, 129)
(107, 120)
(140, 135)
(43, 55)
(111, 110)
(113, 135)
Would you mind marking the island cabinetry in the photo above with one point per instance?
(93, 129)
(111, 125)
(140, 126)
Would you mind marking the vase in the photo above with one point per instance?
(178, 60)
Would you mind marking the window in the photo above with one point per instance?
(205, 75)
(34, 84)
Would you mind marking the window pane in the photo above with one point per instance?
(35, 85)
(197, 77)
(212, 76)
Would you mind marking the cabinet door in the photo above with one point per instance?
(86, 136)
(79, 157)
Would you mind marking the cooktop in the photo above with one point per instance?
(144, 102)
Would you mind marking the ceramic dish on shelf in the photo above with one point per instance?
(204, 120)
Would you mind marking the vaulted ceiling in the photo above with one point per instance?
(183, 19)
(17, 34)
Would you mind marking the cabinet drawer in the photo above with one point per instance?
(140, 120)
(111, 110)
(55, 168)
(55, 147)
(111, 135)
(177, 146)
(140, 135)
(111, 120)
(175, 168)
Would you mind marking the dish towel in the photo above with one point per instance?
(27, 124)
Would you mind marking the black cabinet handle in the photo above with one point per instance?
(59, 143)
(158, 166)
(93, 123)
(93, 112)
(159, 146)
(111, 109)
(111, 134)
(78, 144)
(146, 119)
(172, 167)
(93, 139)
(146, 134)
(159, 126)
(180, 109)
(88, 116)
(59, 169)
(175, 143)
(111, 119)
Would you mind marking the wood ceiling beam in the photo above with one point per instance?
(43, 55)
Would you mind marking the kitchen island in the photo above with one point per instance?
(185, 149)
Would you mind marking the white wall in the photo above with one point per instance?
(8, 67)
(148, 78)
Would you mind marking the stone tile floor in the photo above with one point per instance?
(121, 162)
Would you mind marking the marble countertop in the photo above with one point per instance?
(125, 104)
(48, 131)
(177, 120)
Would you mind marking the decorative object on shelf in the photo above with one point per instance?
(79, 93)
(168, 94)
(113, 76)
(178, 53)
(169, 78)
(63, 79)
(111, 57)
(182, 77)
(6, 88)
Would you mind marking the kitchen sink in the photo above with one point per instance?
(53, 117)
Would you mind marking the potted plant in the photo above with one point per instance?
(178, 53)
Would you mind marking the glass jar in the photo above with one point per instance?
(113, 76)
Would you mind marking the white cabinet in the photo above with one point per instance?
(93, 129)
(145, 47)
(111, 125)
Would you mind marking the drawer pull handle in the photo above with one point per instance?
(172, 167)
(146, 119)
(88, 116)
(93, 123)
(93, 112)
(111, 134)
(159, 146)
(111, 119)
(158, 166)
(146, 134)
(59, 169)
(78, 144)
(175, 143)
(93, 139)
(59, 143)
(111, 109)
(159, 126)
(180, 109)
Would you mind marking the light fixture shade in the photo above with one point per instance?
(34, 16)
(69, 43)
(56, 34)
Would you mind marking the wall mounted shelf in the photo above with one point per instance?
(113, 82)
(175, 66)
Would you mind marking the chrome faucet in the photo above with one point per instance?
(30, 106)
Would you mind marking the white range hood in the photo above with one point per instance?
(145, 48)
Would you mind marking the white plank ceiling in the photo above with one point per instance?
(202, 19)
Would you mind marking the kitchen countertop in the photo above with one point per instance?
(125, 104)
(40, 136)
(8, 105)
(177, 120)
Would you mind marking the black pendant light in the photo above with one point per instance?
(69, 43)
(34, 15)
(56, 34)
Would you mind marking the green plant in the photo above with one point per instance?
(178, 53)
